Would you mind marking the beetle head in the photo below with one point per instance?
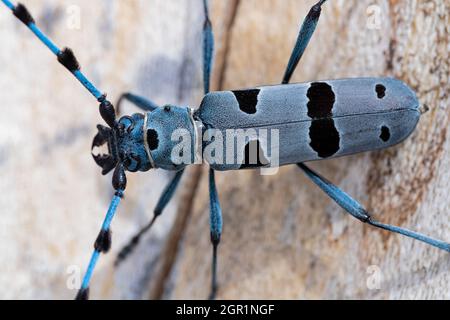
(125, 145)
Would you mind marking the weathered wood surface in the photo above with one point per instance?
(282, 237)
(52, 196)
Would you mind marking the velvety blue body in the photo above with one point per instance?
(317, 120)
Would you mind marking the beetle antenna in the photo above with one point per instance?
(65, 56)
(103, 242)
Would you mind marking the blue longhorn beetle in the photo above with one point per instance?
(316, 121)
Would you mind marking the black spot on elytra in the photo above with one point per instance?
(321, 100)
(385, 134)
(254, 156)
(247, 99)
(152, 139)
(324, 136)
(381, 91)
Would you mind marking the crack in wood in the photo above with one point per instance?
(169, 254)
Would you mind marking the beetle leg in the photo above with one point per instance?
(138, 101)
(305, 35)
(356, 210)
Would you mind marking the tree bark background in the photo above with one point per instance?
(52, 195)
(282, 237)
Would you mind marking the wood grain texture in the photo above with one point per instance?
(52, 195)
(282, 237)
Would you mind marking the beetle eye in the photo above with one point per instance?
(127, 124)
(137, 159)
(132, 162)
(127, 162)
